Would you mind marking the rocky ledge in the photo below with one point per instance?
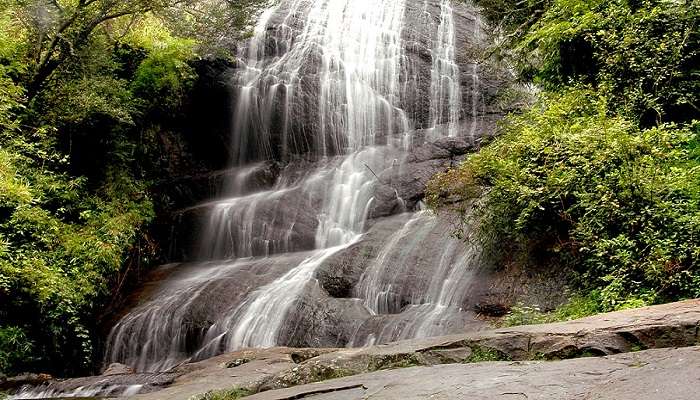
(668, 374)
(645, 353)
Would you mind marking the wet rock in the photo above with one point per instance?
(301, 355)
(339, 275)
(545, 287)
(447, 147)
(321, 321)
(261, 224)
(118, 369)
(455, 146)
(197, 378)
(196, 296)
(26, 379)
(670, 325)
(299, 110)
(401, 188)
(403, 185)
(237, 362)
(628, 331)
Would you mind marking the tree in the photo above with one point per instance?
(58, 29)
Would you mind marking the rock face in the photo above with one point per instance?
(17, 382)
(402, 186)
(671, 325)
(292, 121)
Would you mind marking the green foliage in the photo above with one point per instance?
(388, 362)
(578, 306)
(643, 55)
(619, 205)
(601, 176)
(83, 92)
(521, 314)
(61, 248)
(165, 75)
(485, 354)
(512, 16)
(15, 348)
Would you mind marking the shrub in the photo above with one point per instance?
(60, 249)
(15, 348)
(619, 205)
(642, 54)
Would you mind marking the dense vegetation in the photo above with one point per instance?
(601, 176)
(85, 85)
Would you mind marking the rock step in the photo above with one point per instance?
(668, 374)
(663, 326)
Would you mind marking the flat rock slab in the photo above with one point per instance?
(660, 374)
(245, 369)
(663, 326)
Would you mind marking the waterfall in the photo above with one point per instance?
(383, 291)
(445, 90)
(104, 390)
(324, 89)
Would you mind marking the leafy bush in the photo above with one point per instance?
(15, 348)
(60, 249)
(165, 75)
(643, 55)
(619, 205)
(485, 354)
(85, 89)
(521, 314)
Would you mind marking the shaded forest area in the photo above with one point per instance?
(92, 98)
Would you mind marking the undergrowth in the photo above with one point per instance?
(227, 394)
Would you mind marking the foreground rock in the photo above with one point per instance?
(669, 374)
(669, 325)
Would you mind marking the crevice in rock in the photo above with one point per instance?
(323, 391)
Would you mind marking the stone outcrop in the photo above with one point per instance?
(671, 325)
(669, 374)
(403, 186)
(639, 354)
(118, 369)
(16, 382)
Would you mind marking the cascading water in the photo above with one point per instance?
(331, 90)
(105, 390)
(430, 306)
(445, 90)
